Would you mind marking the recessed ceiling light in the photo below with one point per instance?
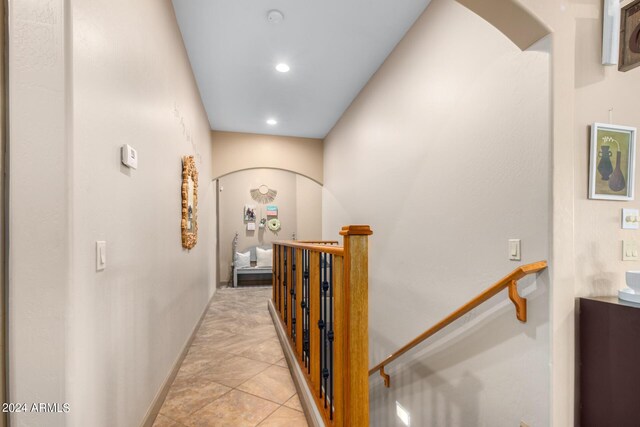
(272, 122)
(283, 68)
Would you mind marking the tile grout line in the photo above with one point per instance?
(175, 421)
(264, 398)
(265, 418)
(247, 357)
(206, 404)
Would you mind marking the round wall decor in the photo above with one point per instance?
(273, 224)
(263, 194)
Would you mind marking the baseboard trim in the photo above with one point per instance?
(314, 419)
(158, 400)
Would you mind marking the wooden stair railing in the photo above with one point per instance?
(510, 281)
(320, 295)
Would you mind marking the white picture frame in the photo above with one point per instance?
(612, 162)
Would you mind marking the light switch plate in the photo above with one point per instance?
(101, 255)
(630, 219)
(630, 250)
(514, 249)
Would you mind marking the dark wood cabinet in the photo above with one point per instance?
(609, 363)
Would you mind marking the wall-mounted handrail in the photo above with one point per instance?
(509, 281)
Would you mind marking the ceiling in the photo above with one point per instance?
(333, 47)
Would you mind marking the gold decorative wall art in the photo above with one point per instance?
(189, 223)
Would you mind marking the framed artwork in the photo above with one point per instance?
(612, 162)
(629, 36)
(189, 223)
(272, 210)
(249, 213)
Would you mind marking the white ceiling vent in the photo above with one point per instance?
(275, 16)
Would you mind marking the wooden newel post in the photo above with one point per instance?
(356, 324)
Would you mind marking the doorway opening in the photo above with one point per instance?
(259, 206)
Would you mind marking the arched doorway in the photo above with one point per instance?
(294, 199)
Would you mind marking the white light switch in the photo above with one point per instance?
(101, 255)
(630, 250)
(514, 249)
(630, 219)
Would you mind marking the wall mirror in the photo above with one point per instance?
(189, 223)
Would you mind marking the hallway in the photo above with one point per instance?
(235, 373)
(150, 145)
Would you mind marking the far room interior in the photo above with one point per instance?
(283, 205)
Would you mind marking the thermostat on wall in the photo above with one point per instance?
(129, 156)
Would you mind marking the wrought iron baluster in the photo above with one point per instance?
(324, 285)
(277, 273)
(293, 294)
(321, 325)
(285, 285)
(330, 337)
(305, 309)
(280, 280)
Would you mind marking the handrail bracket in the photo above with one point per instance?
(386, 377)
(518, 301)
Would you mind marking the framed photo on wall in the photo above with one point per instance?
(629, 36)
(612, 162)
(249, 213)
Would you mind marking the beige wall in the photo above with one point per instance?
(308, 209)
(39, 208)
(238, 151)
(84, 81)
(447, 156)
(559, 17)
(3, 183)
(599, 268)
(299, 202)
(132, 321)
(586, 233)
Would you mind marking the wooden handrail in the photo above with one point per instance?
(325, 247)
(319, 242)
(510, 281)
